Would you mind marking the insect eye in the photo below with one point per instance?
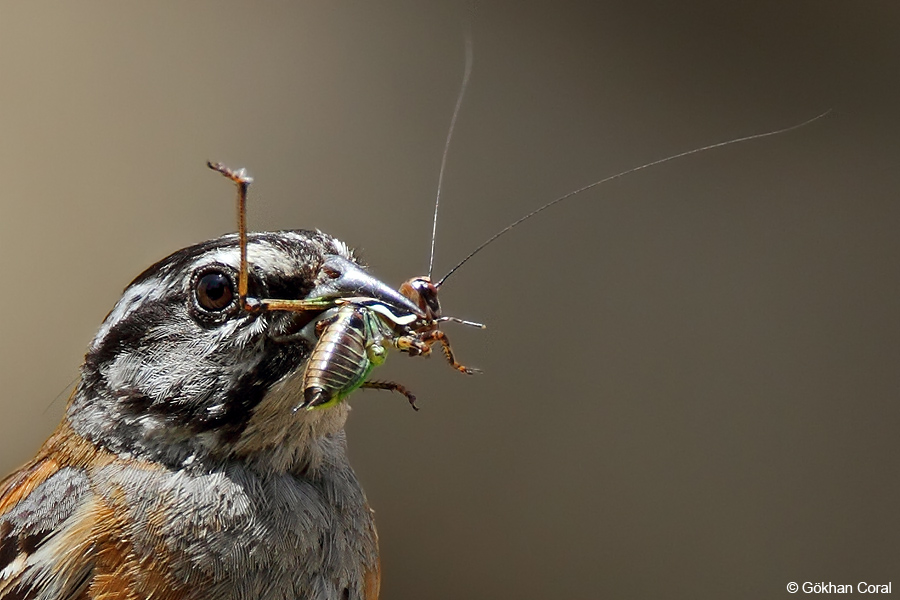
(215, 291)
(429, 295)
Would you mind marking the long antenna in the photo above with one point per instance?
(459, 99)
(517, 222)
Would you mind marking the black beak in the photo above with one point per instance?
(341, 278)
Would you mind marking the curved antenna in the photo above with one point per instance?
(660, 161)
(459, 99)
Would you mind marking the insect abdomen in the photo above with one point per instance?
(339, 362)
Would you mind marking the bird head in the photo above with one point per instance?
(182, 373)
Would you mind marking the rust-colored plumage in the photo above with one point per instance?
(181, 469)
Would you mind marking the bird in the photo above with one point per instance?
(182, 468)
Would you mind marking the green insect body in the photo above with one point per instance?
(350, 345)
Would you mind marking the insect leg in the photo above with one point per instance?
(436, 335)
(392, 387)
(412, 345)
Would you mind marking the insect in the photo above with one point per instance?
(352, 334)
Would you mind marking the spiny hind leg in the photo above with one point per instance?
(436, 335)
(392, 387)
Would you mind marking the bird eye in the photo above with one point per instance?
(215, 291)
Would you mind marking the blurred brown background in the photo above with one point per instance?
(691, 383)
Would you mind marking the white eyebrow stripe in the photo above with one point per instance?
(265, 258)
(260, 253)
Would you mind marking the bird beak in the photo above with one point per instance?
(341, 278)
